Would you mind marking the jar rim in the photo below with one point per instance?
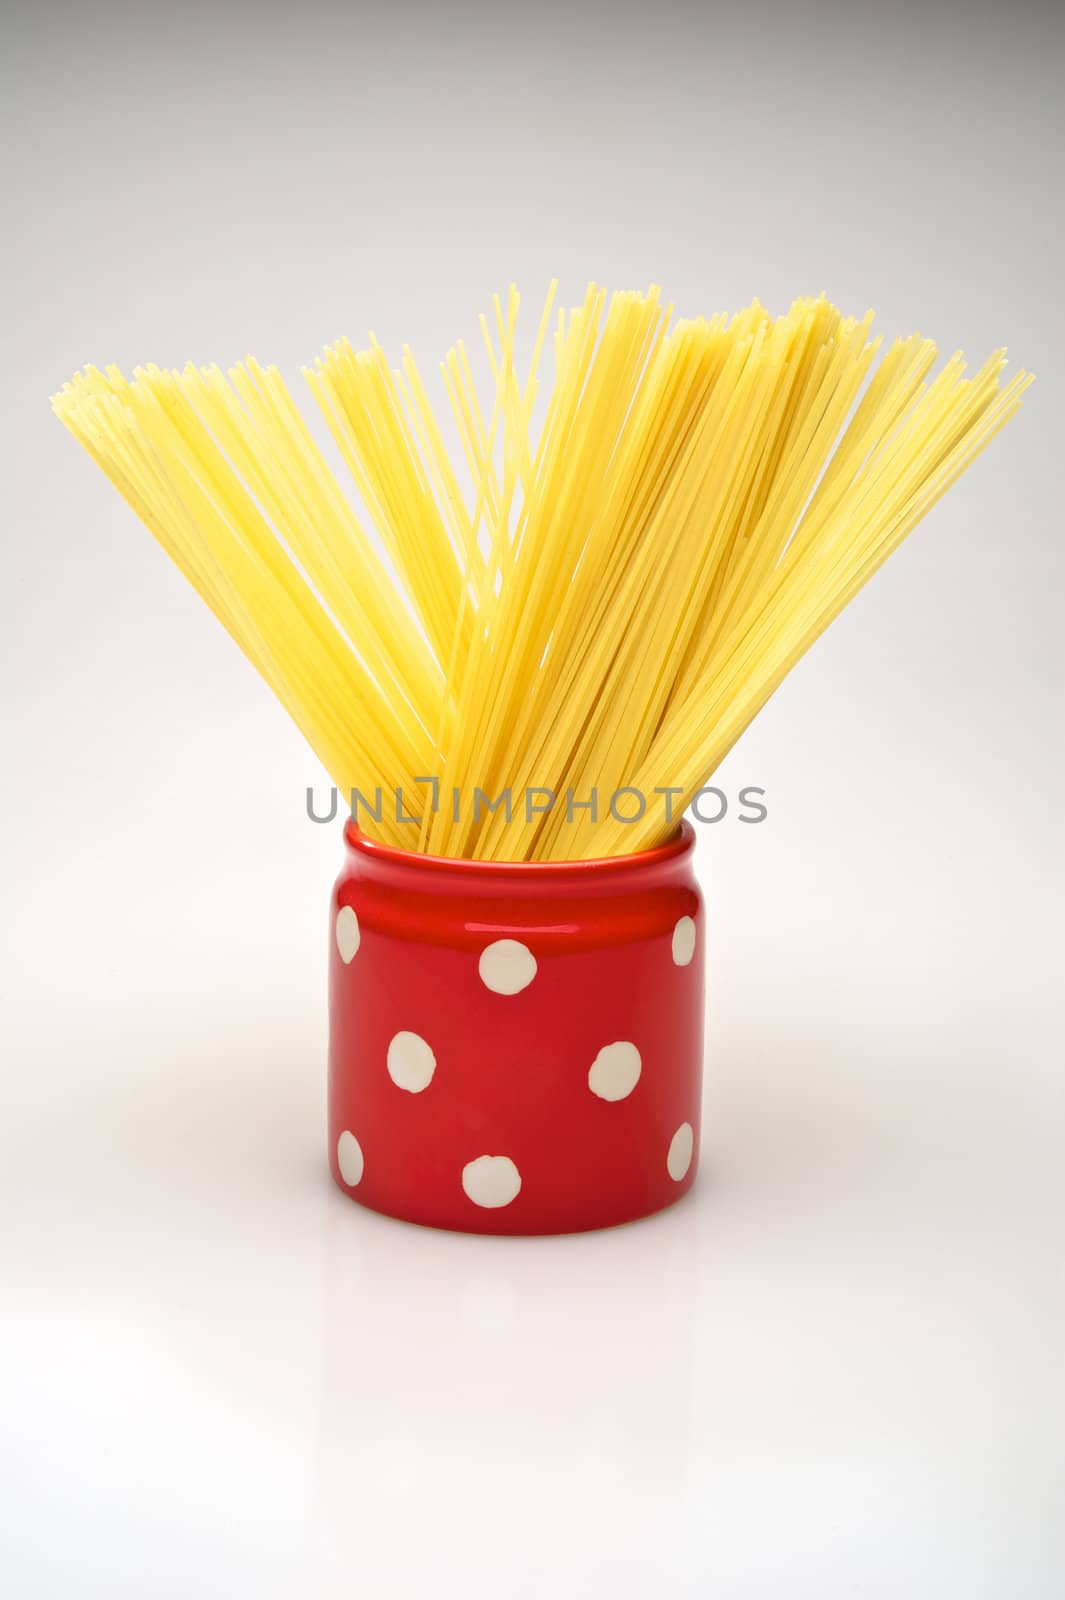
(680, 844)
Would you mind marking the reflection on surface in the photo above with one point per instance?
(547, 1363)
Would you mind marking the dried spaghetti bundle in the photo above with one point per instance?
(593, 602)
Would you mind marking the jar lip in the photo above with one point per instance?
(680, 844)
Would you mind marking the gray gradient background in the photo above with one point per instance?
(837, 1370)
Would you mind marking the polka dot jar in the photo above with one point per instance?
(515, 1047)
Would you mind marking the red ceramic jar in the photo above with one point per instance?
(515, 1047)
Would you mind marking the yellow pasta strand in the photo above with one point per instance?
(597, 603)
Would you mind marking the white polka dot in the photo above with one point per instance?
(491, 1181)
(615, 1072)
(348, 935)
(507, 966)
(679, 1158)
(684, 941)
(411, 1063)
(349, 1158)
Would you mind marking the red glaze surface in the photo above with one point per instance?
(508, 1074)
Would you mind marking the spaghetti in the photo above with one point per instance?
(609, 601)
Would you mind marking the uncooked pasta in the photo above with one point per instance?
(546, 643)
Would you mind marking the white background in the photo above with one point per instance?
(836, 1369)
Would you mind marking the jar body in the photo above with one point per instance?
(515, 1047)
